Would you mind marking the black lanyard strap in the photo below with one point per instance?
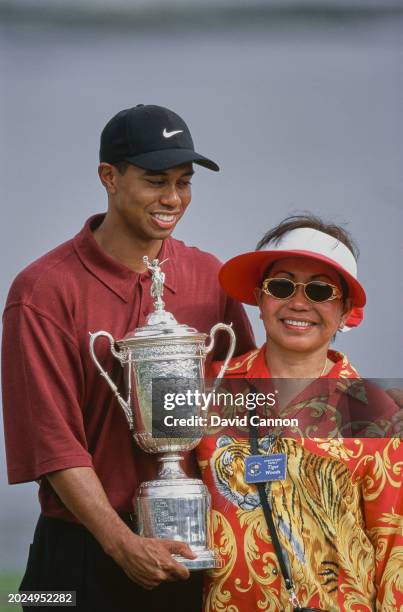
(253, 436)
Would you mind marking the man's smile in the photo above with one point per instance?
(165, 220)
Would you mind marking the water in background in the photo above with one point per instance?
(299, 117)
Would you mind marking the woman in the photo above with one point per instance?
(338, 509)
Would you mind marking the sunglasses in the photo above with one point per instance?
(314, 291)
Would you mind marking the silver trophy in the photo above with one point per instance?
(173, 506)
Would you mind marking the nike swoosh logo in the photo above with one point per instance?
(169, 134)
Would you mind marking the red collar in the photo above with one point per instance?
(116, 276)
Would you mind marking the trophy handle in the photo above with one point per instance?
(231, 349)
(118, 355)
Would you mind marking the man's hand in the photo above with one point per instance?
(148, 561)
(397, 419)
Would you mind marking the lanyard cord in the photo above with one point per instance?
(253, 435)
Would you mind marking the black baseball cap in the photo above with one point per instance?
(150, 137)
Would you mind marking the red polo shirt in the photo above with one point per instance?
(58, 412)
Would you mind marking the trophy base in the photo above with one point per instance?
(206, 559)
(178, 509)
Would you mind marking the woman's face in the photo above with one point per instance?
(296, 324)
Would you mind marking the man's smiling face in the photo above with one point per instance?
(151, 202)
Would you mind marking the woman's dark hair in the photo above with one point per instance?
(308, 220)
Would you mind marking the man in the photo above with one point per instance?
(63, 426)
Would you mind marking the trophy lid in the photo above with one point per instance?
(160, 324)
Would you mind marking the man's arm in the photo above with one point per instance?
(45, 437)
(146, 561)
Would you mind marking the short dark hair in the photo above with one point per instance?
(309, 220)
(122, 166)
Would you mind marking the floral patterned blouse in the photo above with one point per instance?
(338, 513)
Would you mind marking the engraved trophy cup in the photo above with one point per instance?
(173, 506)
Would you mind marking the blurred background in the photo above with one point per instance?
(299, 102)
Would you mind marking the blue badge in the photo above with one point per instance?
(266, 468)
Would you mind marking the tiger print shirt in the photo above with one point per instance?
(339, 517)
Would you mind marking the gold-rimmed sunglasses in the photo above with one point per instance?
(314, 291)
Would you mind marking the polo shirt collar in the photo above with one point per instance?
(116, 276)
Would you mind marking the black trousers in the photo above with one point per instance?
(66, 557)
